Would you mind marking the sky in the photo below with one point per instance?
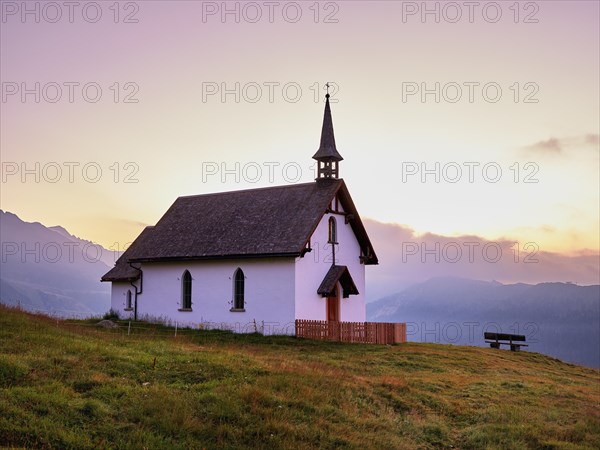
(453, 120)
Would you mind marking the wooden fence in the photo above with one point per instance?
(356, 332)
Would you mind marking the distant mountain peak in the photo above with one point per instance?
(62, 231)
(49, 269)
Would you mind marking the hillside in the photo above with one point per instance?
(558, 319)
(74, 385)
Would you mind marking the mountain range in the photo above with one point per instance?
(558, 319)
(49, 270)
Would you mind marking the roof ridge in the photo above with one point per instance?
(264, 188)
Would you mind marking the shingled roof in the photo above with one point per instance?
(265, 222)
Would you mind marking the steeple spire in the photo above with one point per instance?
(327, 156)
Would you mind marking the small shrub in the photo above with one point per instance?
(111, 315)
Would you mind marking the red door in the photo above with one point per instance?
(333, 307)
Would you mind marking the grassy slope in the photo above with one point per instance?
(73, 385)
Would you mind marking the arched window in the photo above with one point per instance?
(238, 289)
(128, 300)
(332, 231)
(186, 290)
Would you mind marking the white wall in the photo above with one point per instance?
(118, 298)
(312, 268)
(269, 294)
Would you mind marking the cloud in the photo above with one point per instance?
(552, 145)
(558, 146)
(406, 258)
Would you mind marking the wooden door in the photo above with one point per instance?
(333, 307)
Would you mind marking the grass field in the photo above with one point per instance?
(74, 385)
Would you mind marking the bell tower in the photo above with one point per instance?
(327, 156)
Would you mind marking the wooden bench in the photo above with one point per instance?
(497, 339)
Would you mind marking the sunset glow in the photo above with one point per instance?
(177, 59)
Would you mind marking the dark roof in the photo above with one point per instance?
(335, 274)
(266, 222)
(327, 150)
(122, 271)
